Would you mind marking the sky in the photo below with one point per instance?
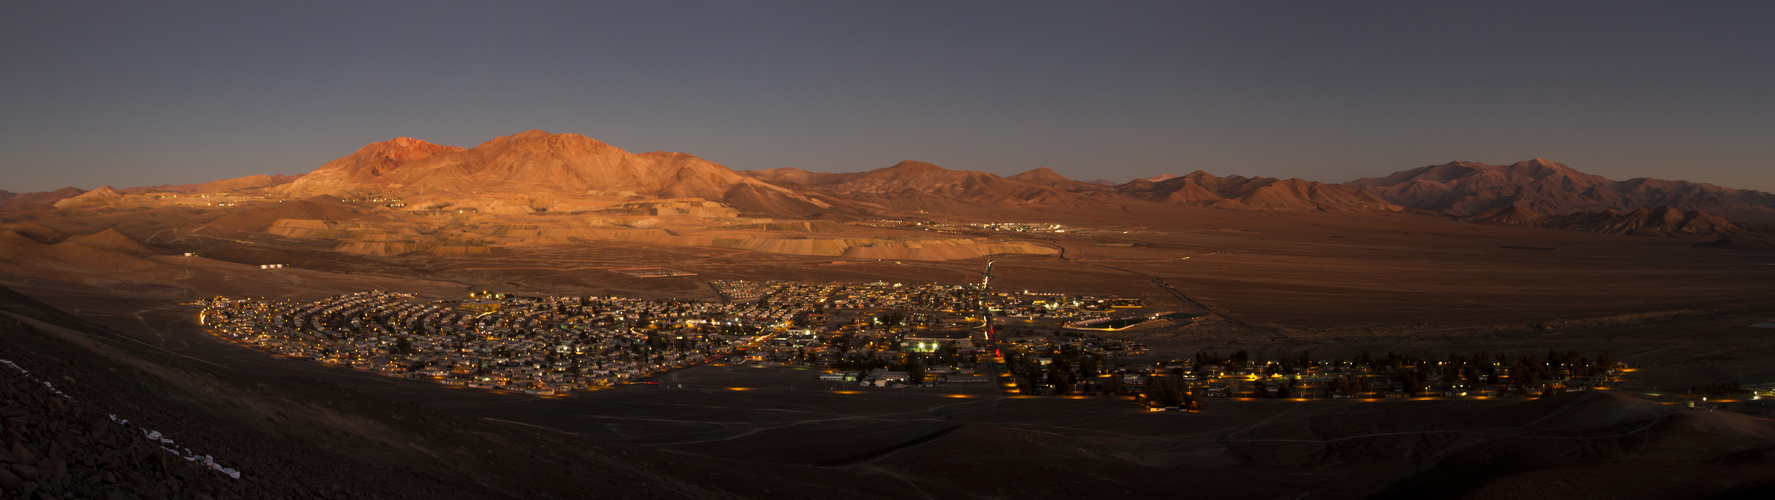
(169, 92)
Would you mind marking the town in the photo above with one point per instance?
(870, 334)
(554, 345)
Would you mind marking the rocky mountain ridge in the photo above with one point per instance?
(1469, 188)
(10, 199)
(1264, 193)
(915, 185)
(537, 171)
(1657, 221)
(547, 171)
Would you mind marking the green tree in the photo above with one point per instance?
(1088, 368)
(1060, 374)
(1519, 373)
(1112, 384)
(1165, 390)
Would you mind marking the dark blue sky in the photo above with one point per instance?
(141, 93)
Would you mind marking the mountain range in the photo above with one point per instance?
(1467, 188)
(915, 185)
(1659, 221)
(8, 198)
(545, 171)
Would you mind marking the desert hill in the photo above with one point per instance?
(1660, 221)
(43, 197)
(1738, 242)
(225, 185)
(9, 199)
(100, 196)
(111, 239)
(1511, 215)
(796, 176)
(1657, 221)
(547, 171)
(1264, 193)
(257, 218)
(368, 166)
(1468, 188)
(1049, 178)
(916, 185)
(811, 203)
(92, 257)
(36, 232)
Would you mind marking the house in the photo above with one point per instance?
(882, 376)
(931, 341)
(967, 378)
(839, 376)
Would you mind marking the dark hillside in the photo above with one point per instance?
(287, 437)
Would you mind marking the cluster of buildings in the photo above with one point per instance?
(1012, 227)
(1082, 367)
(1019, 227)
(541, 346)
(552, 345)
(927, 298)
(876, 334)
(742, 290)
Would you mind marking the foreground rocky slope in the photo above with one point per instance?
(285, 437)
(59, 447)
